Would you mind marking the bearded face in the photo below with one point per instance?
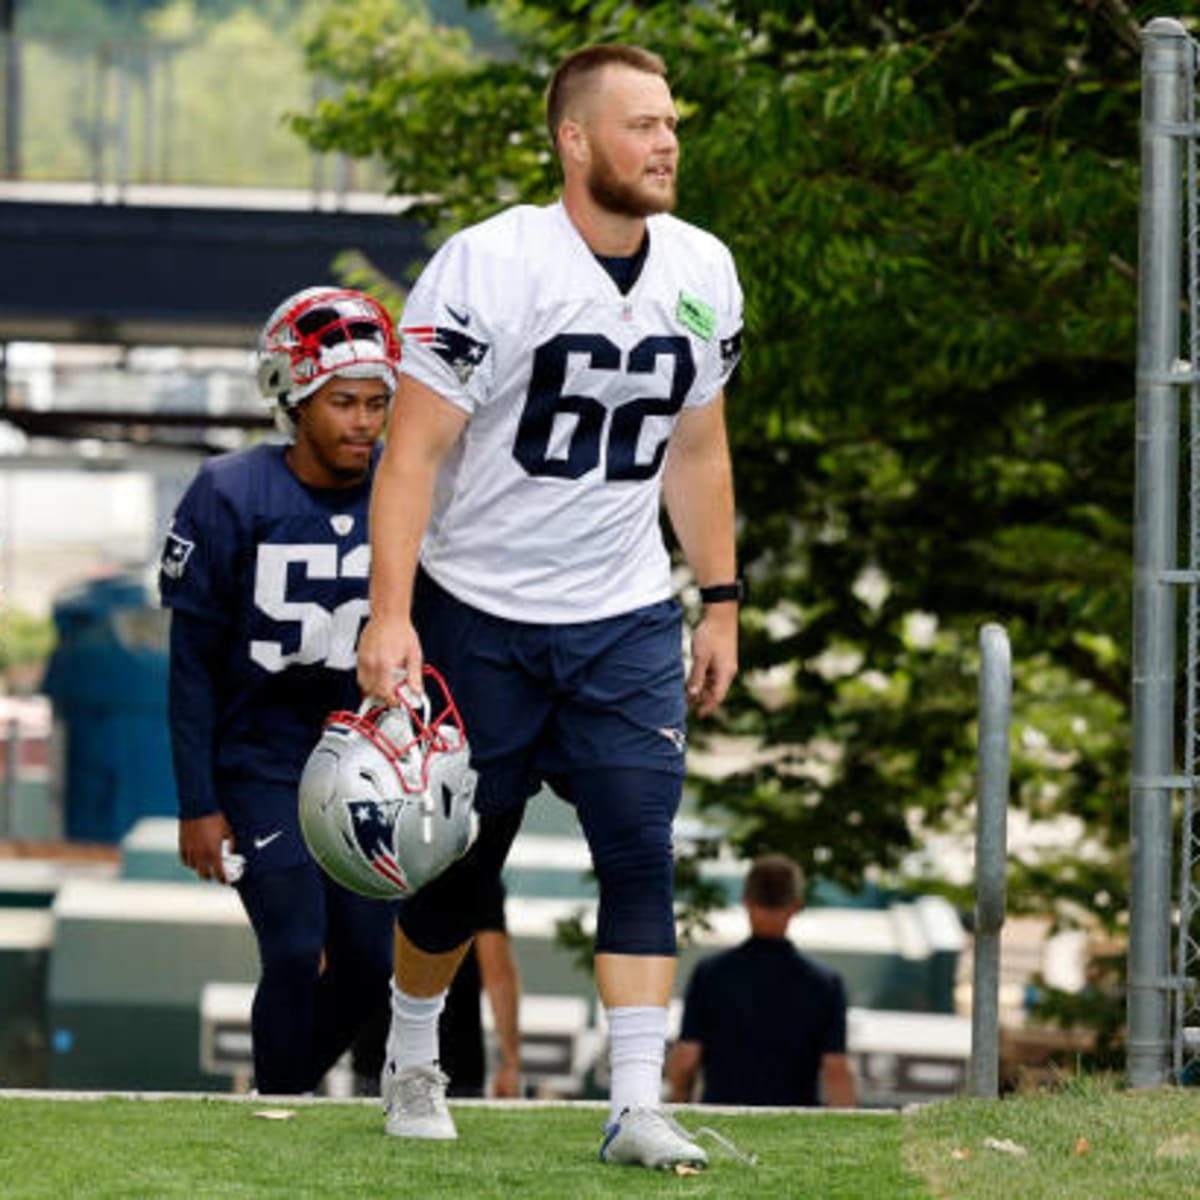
(628, 126)
(638, 191)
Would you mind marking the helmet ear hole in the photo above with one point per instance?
(275, 375)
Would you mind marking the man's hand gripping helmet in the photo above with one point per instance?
(386, 796)
(319, 333)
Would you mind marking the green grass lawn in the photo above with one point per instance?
(1086, 1141)
(198, 1148)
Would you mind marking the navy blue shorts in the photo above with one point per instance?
(542, 701)
(597, 709)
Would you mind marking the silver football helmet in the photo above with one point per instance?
(321, 332)
(387, 794)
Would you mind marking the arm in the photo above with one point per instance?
(683, 1065)
(192, 715)
(423, 427)
(498, 974)
(837, 1081)
(698, 489)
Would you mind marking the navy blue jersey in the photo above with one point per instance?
(272, 576)
(764, 1014)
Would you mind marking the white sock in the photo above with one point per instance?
(413, 1036)
(637, 1044)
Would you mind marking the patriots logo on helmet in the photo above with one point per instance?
(461, 352)
(373, 834)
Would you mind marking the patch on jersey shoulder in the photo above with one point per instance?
(697, 316)
(176, 552)
(731, 351)
(462, 352)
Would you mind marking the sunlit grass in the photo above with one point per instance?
(1085, 1138)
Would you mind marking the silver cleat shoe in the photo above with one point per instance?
(647, 1137)
(415, 1101)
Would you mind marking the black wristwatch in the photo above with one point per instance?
(724, 593)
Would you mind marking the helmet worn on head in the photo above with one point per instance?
(322, 332)
(386, 796)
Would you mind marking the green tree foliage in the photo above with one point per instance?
(25, 640)
(933, 205)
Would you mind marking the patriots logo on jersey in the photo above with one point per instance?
(176, 552)
(462, 352)
(373, 835)
(731, 351)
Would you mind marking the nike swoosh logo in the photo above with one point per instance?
(262, 842)
(464, 319)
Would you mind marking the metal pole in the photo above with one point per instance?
(991, 853)
(1167, 63)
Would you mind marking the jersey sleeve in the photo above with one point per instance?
(724, 348)
(447, 327)
(196, 569)
(191, 712)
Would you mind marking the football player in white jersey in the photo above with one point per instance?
(563, 374)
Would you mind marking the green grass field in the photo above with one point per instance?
(1087, 1141)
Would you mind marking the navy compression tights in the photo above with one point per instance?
(626, 814)
(304, 1017)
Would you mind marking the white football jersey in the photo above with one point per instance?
(547, 508)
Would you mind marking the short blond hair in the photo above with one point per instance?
(577, 71)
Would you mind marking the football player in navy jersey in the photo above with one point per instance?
(564, 373)
(265, 573)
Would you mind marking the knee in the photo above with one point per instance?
(295, 959)
(446, 912)
(636, 881)
(363, 942)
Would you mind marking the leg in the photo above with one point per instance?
(418, 997)
(626, 815)
(504, 708)
(287, 910)
(460, 1032)
(433, 933)
(358, 967)
(625, 979)
(434, 928)
(368, 1049)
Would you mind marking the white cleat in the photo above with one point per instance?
(415, 1101)
(647, 1137)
